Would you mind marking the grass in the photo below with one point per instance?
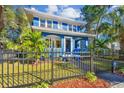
(101, 66)
(112, 57)
(121, 70)
(27, 73)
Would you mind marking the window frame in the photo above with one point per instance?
(55, 24)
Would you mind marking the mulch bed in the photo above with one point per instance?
(80, 83)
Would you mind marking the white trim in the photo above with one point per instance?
(72, 28)
(39, 21)
(46, 23)
(64, 43)
(58, 25)
(52, 23)
(63, 32)
(67, 27)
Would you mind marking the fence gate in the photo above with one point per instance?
(102, 65)
(20, 69)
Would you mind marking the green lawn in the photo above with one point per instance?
(29, 73)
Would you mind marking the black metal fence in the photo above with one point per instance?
(20, 69)
(108, 63)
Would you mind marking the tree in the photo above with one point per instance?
(93, 17)
(18, 32)
(33, 41)
(117, 26)
(104, 20)
(9, 23)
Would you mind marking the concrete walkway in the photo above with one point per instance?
(115, 80)
(120, 85)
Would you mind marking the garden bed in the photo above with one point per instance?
(80, 83)
(120, 71)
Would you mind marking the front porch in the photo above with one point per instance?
(69, 44)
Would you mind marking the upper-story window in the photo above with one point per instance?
(59, 25)
(35, 21)
(42, 22)
(49, 23)
(55, 24)
(78, 28)
(74, 28)
(70, 27)
(64, 26)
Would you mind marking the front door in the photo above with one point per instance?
(68, 45)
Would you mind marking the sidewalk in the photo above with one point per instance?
(115, 80)
(120, 85)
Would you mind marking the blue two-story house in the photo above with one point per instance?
(64, 34)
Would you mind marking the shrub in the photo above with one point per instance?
(42, 85)
(91, 76)
(121, 70)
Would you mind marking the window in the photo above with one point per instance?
(74, 28)
(60, 26)
(42, 23)
(58, 44)
(55, 24)
(49, 23)
(35, 21)
(64, 26)
(78, 28)
(70, 27)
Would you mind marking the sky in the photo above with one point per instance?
(69, 11)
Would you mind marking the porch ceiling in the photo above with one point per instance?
(53, 37)
(62, 32)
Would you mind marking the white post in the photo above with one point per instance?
(46, 23)
(39, 22)
(67, 27)
(52, 23)
(72, 28)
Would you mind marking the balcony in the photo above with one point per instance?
(63, 32)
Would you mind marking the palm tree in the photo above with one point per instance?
(117, 18)
(33, 41)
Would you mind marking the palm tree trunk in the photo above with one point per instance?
(1, 18)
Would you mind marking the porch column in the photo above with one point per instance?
(62, 43)
(73, 44)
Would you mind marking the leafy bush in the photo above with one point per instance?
(42, 85)
(121, 70)
(91, 76)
